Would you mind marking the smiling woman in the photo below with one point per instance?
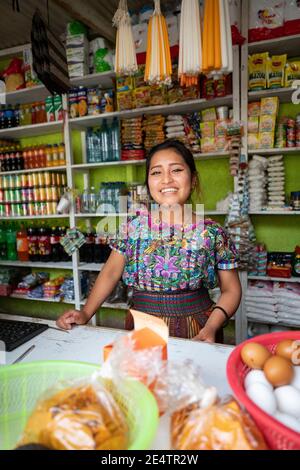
(170, 257)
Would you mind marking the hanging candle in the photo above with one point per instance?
(190, 45)
(125, 63)
(158, 60)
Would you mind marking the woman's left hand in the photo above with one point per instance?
(207, 335)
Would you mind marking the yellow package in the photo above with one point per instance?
(208, 144)
(253, 125)
(257, 69)
(292, 72)
(253, 141)
(267, 123)
(276, 69)
(254, 109)
(269, 105)
(209, 114)
(207, 129)
(266, 140)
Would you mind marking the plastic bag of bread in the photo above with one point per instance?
(83, 416)
(223, 426)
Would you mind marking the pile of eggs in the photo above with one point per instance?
(273, 384)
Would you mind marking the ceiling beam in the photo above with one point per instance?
(81, 11)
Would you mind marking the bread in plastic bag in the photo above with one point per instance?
(83, 416)
(222, 426)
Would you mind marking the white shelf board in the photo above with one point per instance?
(24, 297)
(92, 166)
(275, 151)
(27, 95)
(287, 44)
(104, 80)
(277, 212)
(36, 217)
(213, 212)
(275, 279)
(284, 94)
(32, 130)
(37, 264)
(90, 267)
(211, 155)
(34, 170)
(183, 107)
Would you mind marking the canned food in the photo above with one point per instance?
(47, 178)
(37, 208)
(1, 195)
(13, 210)
(11, 195)
(18, 193)
(30, 194)
(19, 210)
(57, 179)
(54, 193)
(63, 179)
(24, 180)
(41, 179)
(5, 182)
(1, 182)
(2, 210)
(48, 208)
(53, 179)
(43, 208)
(48, 193)
(42, 195)
(53, 208)
(11, 181)
(31, 209)
(36, 194)
(24, 195)
(24, 209)
(35, 179)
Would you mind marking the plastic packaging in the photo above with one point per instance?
(266, 19)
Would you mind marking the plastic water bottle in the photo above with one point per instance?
(85, 201)
(97, 146)
(115, 140)
(90, 146)
(104, 141)
(93, 201)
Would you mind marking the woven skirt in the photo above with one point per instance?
(185, 312)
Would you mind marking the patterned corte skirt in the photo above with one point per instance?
(185, 312)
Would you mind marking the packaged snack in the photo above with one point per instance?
(207, 129)
(107, 102)
(142, 97)
(253, 125)
(207, 87)
(124, 83)
(221, 128)
(190, 93)
(209, 114)
(138, 78)
(221, 143)
(220, 87)
(208, 144)
(81, 417)
(257, 69)
(267, 123)
(266, 140)
(124, 100)
(254, 109)
(253, 141)
(292, 72)
(269, 105)
(266, 19)
(276, 71)
(223, 426)
(175, 94)
(158, 95)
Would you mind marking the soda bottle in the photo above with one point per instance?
(89, 246)
(98, 252)
(44, 244)
(85, 201)
(55, 246)
(93, 201)
(11, 244)
(22, 244)
(3, 244)
(33, 244)
(106, 249)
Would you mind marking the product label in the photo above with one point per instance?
(44, 246)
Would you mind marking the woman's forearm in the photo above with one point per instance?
(229, 301)
(104, 285)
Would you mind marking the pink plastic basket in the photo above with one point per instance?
(278, 436)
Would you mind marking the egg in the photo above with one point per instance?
(256, 376)
(285, 349)
(263, 397)
(278, 371)
(296, 380)
(288, 421)
(288, 400)
(254, 355)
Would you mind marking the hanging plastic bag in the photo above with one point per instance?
(266, 19)
(14, 76)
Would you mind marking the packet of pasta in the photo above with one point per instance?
(257, 68)
(276, 71)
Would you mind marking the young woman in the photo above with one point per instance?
(169, 261)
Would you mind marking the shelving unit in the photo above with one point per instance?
(289, 45)
(34, 170)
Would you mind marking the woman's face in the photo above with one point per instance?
(170, 180)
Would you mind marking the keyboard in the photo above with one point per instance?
(14, 333)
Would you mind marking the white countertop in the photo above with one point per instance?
(85, 343)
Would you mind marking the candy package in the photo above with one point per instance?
(79, 415)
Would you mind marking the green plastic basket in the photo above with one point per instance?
(21, 385)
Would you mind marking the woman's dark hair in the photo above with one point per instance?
(181, 150)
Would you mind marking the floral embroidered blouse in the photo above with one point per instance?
(164, 258)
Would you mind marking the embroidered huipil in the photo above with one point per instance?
(156, 262)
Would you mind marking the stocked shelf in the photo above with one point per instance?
(183, 107)
(275, 151)
(34, 170)
(37, 264)
(92, 166)
(284, 94)
(27, 95)
(35, 217)
(275, 279)
(104, 80)
(32, 130)
(288, 44)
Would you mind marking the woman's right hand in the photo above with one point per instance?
(71, 317)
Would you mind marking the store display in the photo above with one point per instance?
(125, 62)
(103, 144)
